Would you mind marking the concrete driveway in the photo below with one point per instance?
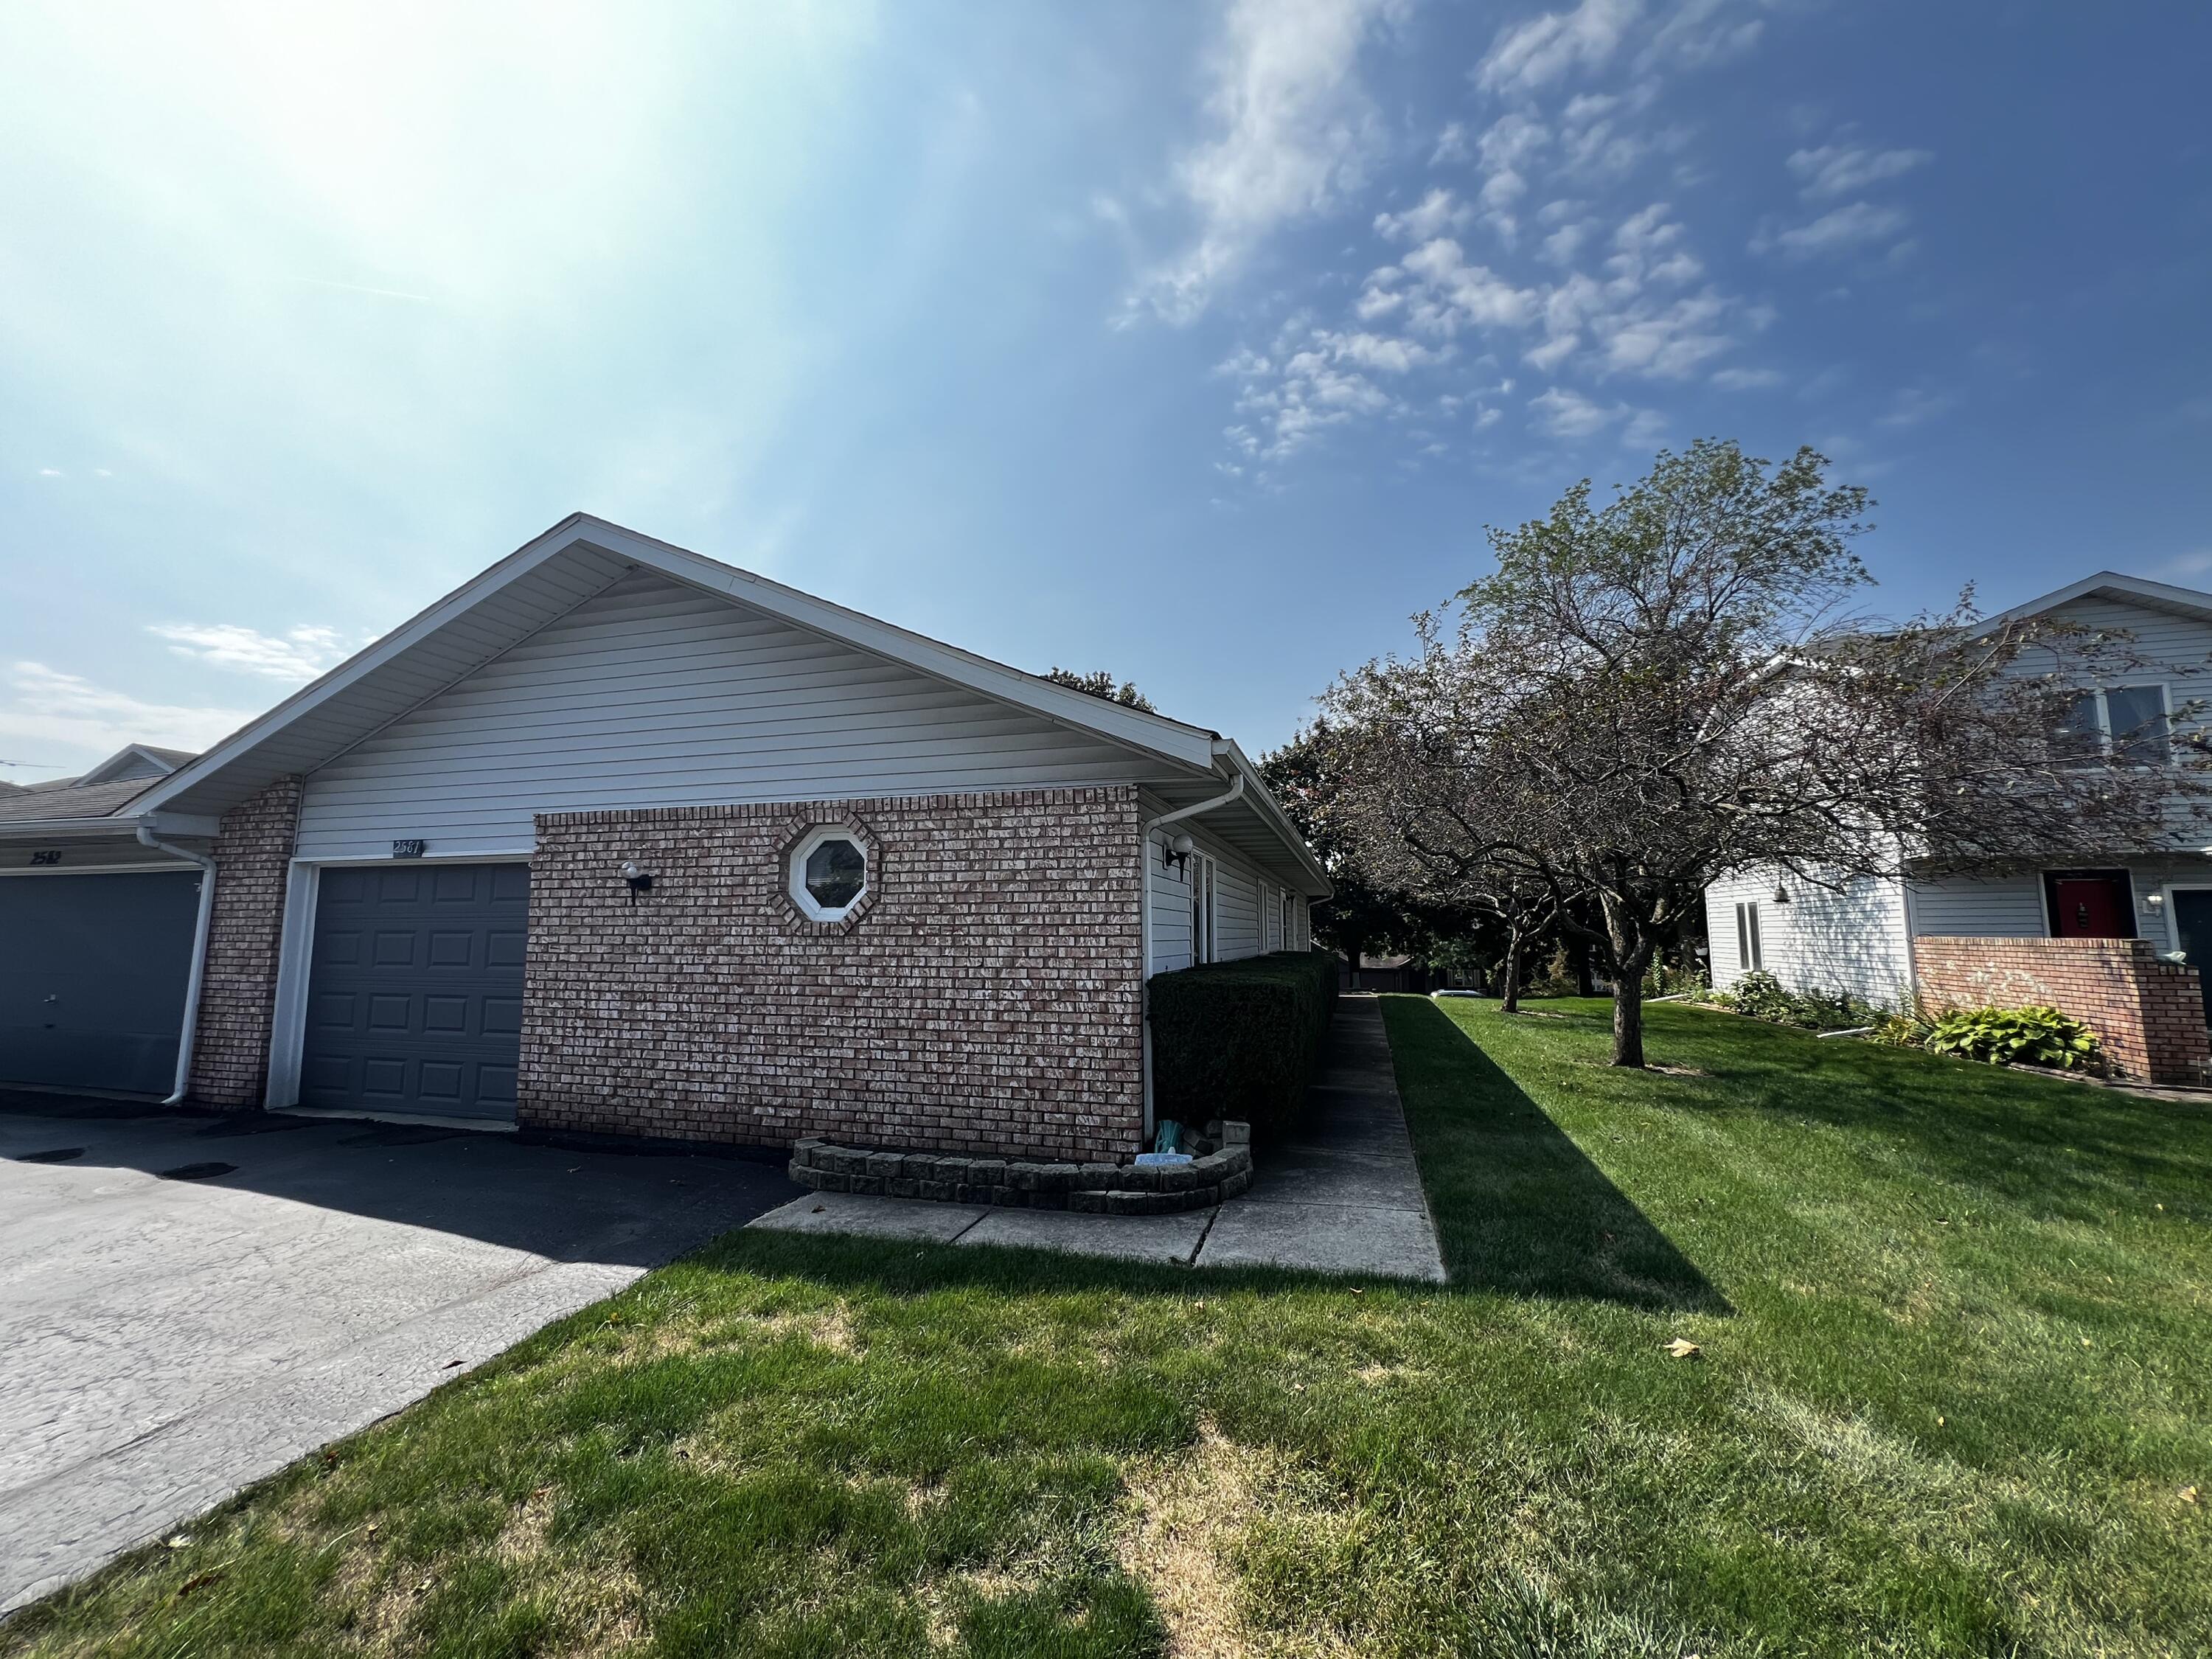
(170, 1333)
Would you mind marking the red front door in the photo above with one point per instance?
(2091, 907)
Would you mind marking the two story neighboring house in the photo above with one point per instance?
(2117, 940)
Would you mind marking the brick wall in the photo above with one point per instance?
(985, 997)
(2149, 1013)
(253, 856)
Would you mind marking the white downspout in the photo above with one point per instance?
(1145, 914)
(199, 970)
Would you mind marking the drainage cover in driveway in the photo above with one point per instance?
(195, 1171)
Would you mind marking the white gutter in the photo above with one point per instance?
(1145, 930)
(198, 970)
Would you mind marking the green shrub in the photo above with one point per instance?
(1241, 1039)
(2033, 1035)
(1762, 996)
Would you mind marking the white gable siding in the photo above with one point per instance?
(652, 694)
(1851, 940)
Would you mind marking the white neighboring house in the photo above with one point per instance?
(1964, 938)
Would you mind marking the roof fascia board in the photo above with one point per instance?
(525, 559)
(90, 828)
(101, 773)
(1261, 799)
(2160, 595)
(1154, 734)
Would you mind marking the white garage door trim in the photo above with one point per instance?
(287, 1036)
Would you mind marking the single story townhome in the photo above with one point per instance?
(2121, 937)
(615, 838)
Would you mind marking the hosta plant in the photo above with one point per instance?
(2033, 1035)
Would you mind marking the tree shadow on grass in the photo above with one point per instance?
(1518, 1207)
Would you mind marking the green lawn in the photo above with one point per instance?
(1955, 1376)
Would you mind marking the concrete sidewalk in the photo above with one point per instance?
(1344, 1198)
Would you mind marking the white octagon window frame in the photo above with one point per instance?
(795, 876)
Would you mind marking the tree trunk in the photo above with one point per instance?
(1628, 1020)
(1578, 959)
(1631, 954)
(1509, 993)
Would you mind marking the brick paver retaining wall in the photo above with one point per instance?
(252, 859)
(2149, 1013)
(983, 998)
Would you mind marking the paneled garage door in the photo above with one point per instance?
(414, 995)
(92, 978)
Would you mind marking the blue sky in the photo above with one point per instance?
(1195, 341)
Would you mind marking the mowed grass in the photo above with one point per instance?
(1954, 1382)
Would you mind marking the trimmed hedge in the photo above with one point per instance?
(1241, 1039)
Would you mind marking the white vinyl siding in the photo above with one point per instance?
(1989, 907)
(1823, 939)
(652, 694)
(1236, 900)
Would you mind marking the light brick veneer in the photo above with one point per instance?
(986, 1002)
(2149, 1013)
(252, 858)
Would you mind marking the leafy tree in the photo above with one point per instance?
(1652, 693)
(1363, 917)
(1101, 685)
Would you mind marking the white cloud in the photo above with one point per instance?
(1836, 231)
(1699, 34)
(1562, 412)
(1746, 380)
(50, 472)
(44, 709)
(1451, 145)
(2197, 563)
(1527, 57)
(1916, 405)
(1839, 170)
(300, 654)
(1297, 131)
(1452, 294)
(1436, 212)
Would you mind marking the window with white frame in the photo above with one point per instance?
(1201, 873)
(1748, 956)
(829, 874)
(1290, 922)
(2132, 721)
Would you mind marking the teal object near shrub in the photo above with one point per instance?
(1240, 1040)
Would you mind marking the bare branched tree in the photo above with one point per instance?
(1655, 693)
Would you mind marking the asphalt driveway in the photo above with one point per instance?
(187, 1303)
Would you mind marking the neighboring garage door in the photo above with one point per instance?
(92, 978)
(415, 997)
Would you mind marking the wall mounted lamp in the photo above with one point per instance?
(1176, 854)
(2155, 901)
(639, 877)
(1781, 894)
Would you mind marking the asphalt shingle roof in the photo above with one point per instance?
(87, 801)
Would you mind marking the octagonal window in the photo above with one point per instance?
(829, 874)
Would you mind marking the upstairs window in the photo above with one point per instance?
(2131, 721)
(2135, 722)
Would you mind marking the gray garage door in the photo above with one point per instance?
(415, 997)
(92, 978)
